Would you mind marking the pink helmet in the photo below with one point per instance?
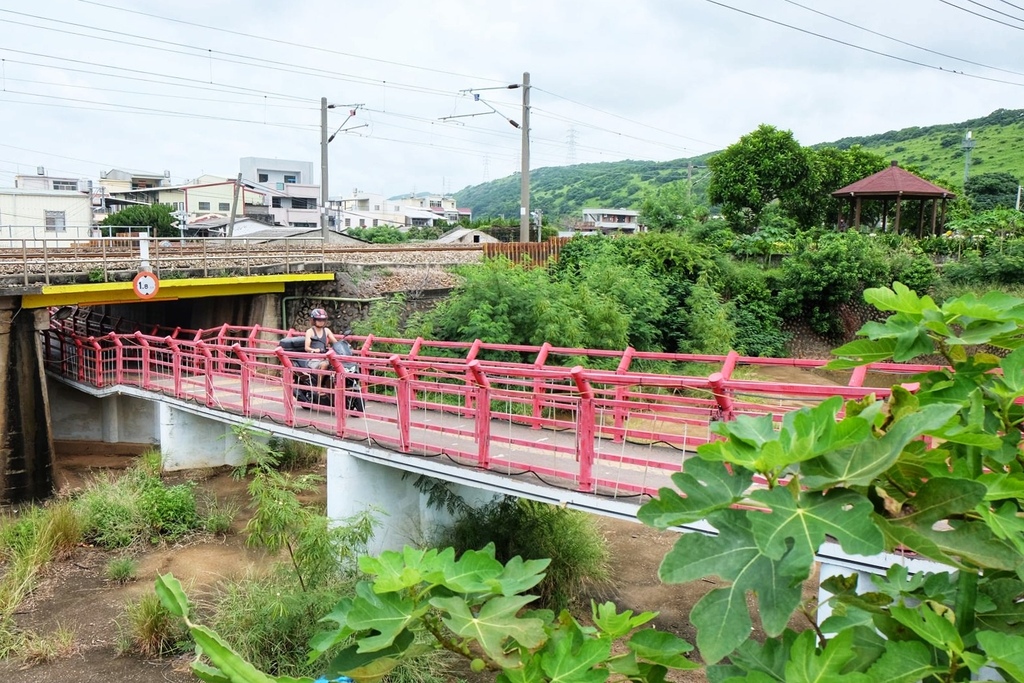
(318, 314)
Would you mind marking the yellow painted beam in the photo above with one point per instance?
(93, 294)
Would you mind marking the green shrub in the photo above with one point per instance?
(219, 517)
(121, 569)
(535, 530)
(148, 628)
(169, 510)
(758, 330)
(296, 454)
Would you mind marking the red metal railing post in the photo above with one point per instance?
(175, 365)
(404, 392)
(288, 380)
(339, 391)
(474, 350)
(584, 430)
(538, 384)
(145, 359)
(482, 391)
(243, 358)
(619, 410)
(858, 375)
(118, 357)
(80, 355)
(724, 401)
(729, 364)
(98, 363)
(208, 362)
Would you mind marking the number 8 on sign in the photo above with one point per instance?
(146, 285)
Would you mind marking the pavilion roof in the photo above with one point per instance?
(895, 182)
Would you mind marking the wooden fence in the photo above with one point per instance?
(536, 254)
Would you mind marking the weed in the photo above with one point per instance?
(149, 628)
(296, 454)
(122, 569)
(40, 649)
(535, 530)
(219, 517)
(151, 462)
(62, 530)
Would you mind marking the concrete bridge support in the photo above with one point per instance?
(26, 445)
(354, 484)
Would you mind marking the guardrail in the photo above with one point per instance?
(107, 259)
(417, 390)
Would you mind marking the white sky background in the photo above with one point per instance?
(646, 79)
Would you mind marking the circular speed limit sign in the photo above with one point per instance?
(146, 285)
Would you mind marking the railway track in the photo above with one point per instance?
(119, 259)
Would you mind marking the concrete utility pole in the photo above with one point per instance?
(524, 179)
(325, 230)
(1019, 188)
(234, 206)
(967, 145)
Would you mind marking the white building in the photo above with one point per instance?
(30, 217)
(611, 220)
(295, 199)
(373, 210)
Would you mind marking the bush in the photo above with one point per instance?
(758, 330)
(118, 512)
(148, 628)
(532, 531)
(121, 569)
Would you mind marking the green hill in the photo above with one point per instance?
(934, 150)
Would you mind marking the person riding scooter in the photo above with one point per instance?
(319, 338)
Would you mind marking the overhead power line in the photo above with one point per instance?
(902, 42)
(983, 16)
(855, 46)
(289, 43)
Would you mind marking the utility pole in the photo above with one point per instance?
(1019, 188)
(234, 206)
(524, 179)
(324, 227)
(967, 145)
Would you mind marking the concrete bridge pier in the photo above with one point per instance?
(26, 443)
(404, 518)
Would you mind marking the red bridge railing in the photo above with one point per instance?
(551, 411)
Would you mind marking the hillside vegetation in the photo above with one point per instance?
(932, 150)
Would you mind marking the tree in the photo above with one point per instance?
(812, 203)
(155, 216)
(669, 207)
(988, 191)
(765, 165)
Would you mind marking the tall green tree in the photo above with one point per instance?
(765, 165)
(155, 216)
(670, 207)
(812, 203)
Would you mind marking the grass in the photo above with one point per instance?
(149, 629)
(40, 649)
(121, 569)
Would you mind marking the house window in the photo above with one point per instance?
(263, 177)
(362, 223)
(65, 185)
(55, 221)
(303, 203)
(435, 204)
(348, 222)
(375, 222)
(376, 207)
(224, 206)
(290, 179)
(204, 206)
(396, 207)
(275, 202)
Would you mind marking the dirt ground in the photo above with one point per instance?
(74, 594)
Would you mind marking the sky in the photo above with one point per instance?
(192, 86)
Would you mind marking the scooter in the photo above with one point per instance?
(306, 390)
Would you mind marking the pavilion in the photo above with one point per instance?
(893, 184)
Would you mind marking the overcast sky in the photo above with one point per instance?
(192, 86)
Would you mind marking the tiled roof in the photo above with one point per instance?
(894, 181)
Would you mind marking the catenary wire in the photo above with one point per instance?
(901, 42)
(863, 48)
